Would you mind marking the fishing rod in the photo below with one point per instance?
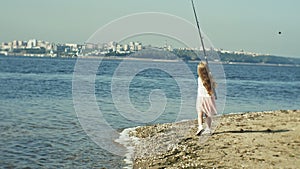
(200, 34)
(202, 43)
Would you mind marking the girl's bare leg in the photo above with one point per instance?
(208, 122)
(200, 122)
(200, 118)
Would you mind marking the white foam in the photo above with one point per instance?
(129, 142)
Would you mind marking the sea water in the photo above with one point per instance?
(39, 126)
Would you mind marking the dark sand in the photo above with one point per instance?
(247, 140)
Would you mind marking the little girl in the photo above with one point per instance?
(205, 99)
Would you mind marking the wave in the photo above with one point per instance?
(129, 141)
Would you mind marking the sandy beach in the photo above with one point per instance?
(246, 140)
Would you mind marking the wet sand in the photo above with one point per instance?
(246, 140)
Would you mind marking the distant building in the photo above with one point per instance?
(90, 46)
(138, 46)
(126, 47)
(31, 43)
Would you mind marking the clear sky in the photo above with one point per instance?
(251, 25)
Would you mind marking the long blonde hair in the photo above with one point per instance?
(206, 77)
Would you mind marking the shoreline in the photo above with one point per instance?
(154, 60)
(269, 139)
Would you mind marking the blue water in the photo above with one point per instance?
(39, 127)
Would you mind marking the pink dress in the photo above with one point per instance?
(205, 102)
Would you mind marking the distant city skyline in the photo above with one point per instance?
(42, 48)
(32, 43)
(230, 24)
